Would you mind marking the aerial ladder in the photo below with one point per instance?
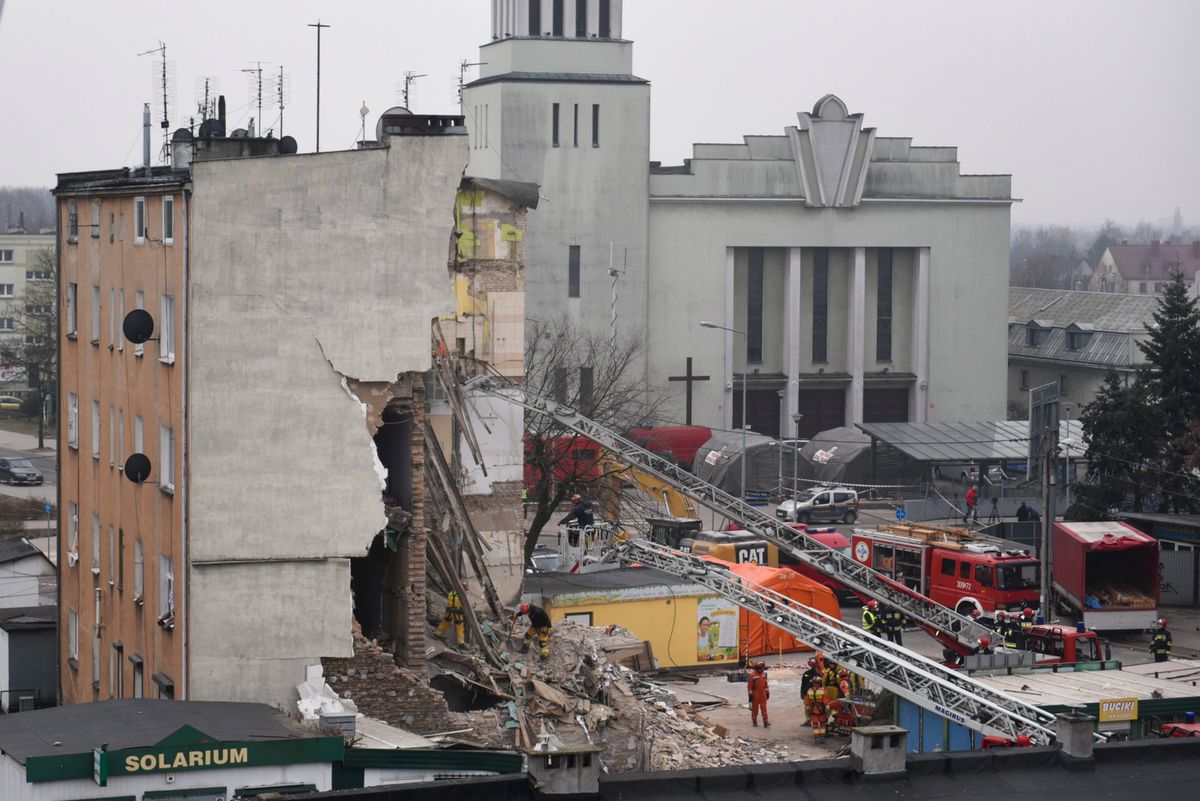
(658, 488)
(949, 693)
(956, 632)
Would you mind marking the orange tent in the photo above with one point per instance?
(757, 638)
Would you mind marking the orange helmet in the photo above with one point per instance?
(872, 604)
(524, 609)
(576, 497)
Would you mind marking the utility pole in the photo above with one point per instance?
(1045, 551)
(463, 66)
(318, 25)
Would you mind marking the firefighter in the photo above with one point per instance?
(810, 679)
(1006, 630)
(580, 514)
(757, 692)
(814, 704)
(539, 626)
(845, 683)
(893, 624)
(1160, 642)
(984, 647)
(870, 617)
(453, 618)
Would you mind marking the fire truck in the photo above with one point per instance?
(959, 568)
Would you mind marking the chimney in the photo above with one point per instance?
(146, 137)
(221, 113)
(1154, 247)
(879, 750)
(1073, 730)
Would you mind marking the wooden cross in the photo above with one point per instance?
(688, 378)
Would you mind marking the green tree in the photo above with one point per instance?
(1123, 434)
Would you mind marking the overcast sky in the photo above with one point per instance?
(1090, 104)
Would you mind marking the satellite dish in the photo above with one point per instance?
(137, 467)
(181, 135)
(288, 145)
(239, 133)
(138, 326)
(394, 110)
(212, 128)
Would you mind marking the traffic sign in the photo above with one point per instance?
(48, 508)
(900, 513)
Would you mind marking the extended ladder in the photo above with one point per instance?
(947, 626)
(949, 693)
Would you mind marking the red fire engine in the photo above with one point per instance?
(958, 568)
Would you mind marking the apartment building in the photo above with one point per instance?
(21, 267)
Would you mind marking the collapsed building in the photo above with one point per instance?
(246, 353)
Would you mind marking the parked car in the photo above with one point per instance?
(10, 403)
(821, 505)
(19, 471)
(969, 473)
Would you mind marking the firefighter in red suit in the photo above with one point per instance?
(758, 692)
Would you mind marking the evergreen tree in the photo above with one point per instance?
(1123, 433)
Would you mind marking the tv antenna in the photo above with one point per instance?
(283, 94)
(463, 66)
(164, 79)
(409, 79)
(318, 25)
(255, 74)
(206, 96)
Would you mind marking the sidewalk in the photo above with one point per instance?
(25, 442)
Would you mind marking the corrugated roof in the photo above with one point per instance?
(1103, 348)
(1080, 687)
(991, 441)
(1107, 311)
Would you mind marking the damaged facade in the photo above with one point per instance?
(281, 409)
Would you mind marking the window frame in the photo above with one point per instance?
(755, 304)
(95, 219)
(168, 219)
(8, 290)
(166, 458)
(95, 321)
(581, 19)
(166, 586)
(139, 570)
(166, 333)
(72, 420)
(595, 125)
(574, 271)
(71, 327)
(820, 306)
(555, 114)
(96, 433)
(139, 220)
(884, 311)
(72, 221)
(73, 638)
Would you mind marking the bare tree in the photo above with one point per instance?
(601, 379)
(32, 345)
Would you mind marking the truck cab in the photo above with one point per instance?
(673, 532)
(1055, 644)
(740, 547)
(983, 578)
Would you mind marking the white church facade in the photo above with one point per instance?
(866, 277)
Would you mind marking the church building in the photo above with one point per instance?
(846, 276)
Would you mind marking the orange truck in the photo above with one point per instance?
(959, 568)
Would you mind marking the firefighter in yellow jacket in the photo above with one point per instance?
(453, 618)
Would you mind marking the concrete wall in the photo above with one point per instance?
(1082, 382)
(27, 582)
(307, 271)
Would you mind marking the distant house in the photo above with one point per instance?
(27, 576)
(1073, 339)
(1144, 269)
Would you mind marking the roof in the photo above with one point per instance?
(138, 723)
(624, 578)
(16, 548)
(1184, 670)
(522, 192)
(1156, 261)
(1003, 440)
(1106, 311)
(1099, 531)
(1102, 349)
(558, 77)
(1082, 687)
(121, 178)
(28, 618)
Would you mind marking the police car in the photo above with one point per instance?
(821, 505)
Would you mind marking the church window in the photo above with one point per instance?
(554, 126)
(820, 306)
(581, 18)
(587, 389)
(535, 18)
(573, 272)
(883, 307)
(558, 18)
(754, 307)
(595, 125)
(605, 19)
(575, 127)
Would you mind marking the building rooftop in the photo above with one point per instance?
(1106, 311)
(1155, 261)
(992, 441)
(16, 548)
(623, 578)
(138, 723)
(27, 618)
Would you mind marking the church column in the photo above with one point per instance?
(920, 335)
(547, 16)
(593, 21)
(615, 19)
(496, 19)
(791, 340)
(521, 26)
(569, 19)
(856, 335)
(729, 323)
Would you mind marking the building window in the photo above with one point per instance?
(72, 221)
(1142, 287)
(7, 324)
(139, 220)
(120, 439)
(95, 315)
(95, 219)
(121, 318)
(535, 18)
(139, 573)
(554, 125)
(1078, 340)
(587, 389)
(72, 420)
(166, 334)
(575, 128)
(121, 560)
(112, 555)
(36, 275)
(166, 687)
(72, 533)
(121, 227)
(138, 432)
(6, 257)
(573, 271)
(6, 290)
(168, 220)
(557, 22)
(166, 458)
(96, 544)
(1063, 388)
(138, 676)
(605, 19)
(820, 306)
(883, 307)
(73, 637)
(595, 125)
(139, 302)
(1034, 336)
(95, 429)
(1024, 379)
(559, 388)
(754, 307)
(72, 318)
(96, 660)
(112, 227)
(116, 671)
(112, 435)
(166, 587)
(581, 18)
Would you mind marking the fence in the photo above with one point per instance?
(1179, 584)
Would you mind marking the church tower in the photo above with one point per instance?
(557, 104)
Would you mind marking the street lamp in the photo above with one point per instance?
(707, 324)
(796, 418)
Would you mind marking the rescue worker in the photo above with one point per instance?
(1160, 642)
(453, 618)
(810, 679)
(893, 624)
(845, 683)
(870, 618)
(580, 514)
(972, 511)
(1006, 630)
(757, 692)
(814, 704)
(539, 626)
(984, 647)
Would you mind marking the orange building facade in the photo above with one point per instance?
(122, 246)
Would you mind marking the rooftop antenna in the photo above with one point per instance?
(318, 25)
(409, 79)
(206, 96)
(283, 93)
(255, 74)
(163, 81)
(463, 66)
(362, 113)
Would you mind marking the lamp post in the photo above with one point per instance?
(796, 418)
(1067, 406)
(707, 324)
